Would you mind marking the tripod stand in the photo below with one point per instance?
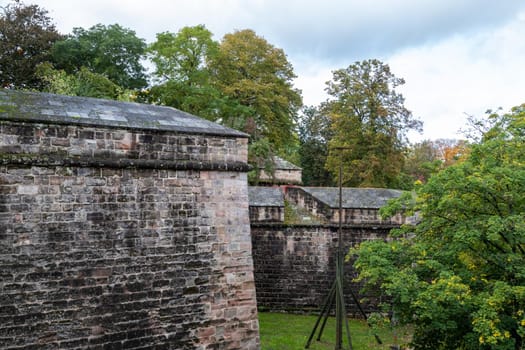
(336, 294)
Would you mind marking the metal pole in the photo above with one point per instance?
(338, 307)
(337, 288)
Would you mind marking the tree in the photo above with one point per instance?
(369, 122)
(261, 157)
(112, 51)
(26, 37)
(183, 56)
(428, 157)
(181, 73)
(255, 74)
(82, 83)
(451, 151)
(459, 274)
(421, 161)
(314, 135)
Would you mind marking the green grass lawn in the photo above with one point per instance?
(286, 331)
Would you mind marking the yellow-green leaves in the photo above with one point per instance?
(463, 266)
(257, 75)
(369, 120)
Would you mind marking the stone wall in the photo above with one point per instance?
(295, 266)
(330, 214)
(284, 173)
(315, 207)
(282, 176)
(124, 239)
(266, 214)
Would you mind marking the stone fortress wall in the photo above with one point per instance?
(122, 226)
(295, 266)
(294, 257)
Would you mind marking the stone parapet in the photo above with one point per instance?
(77, 145)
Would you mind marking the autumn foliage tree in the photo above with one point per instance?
(257, 79)
(370, 123)
(242, 82)
(459, 275)
(257, 75)
(427, 157)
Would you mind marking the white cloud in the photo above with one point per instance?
(311, 82)
(457, 57)
(464, 75)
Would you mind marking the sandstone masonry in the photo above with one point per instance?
(295, 267)
(122, 226)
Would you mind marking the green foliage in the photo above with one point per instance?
(260, 155)
(112, 51)
(183, 56)
(56, 81)
(82, 83)
(181, 72)
(370, 122)
(314, 135)
(426, 158)
(422, 161)
(291, 216)
(459, 275)
(258, 77)
(242, 82)
(26, 37)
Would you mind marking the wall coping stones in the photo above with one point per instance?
(119, 163)
(53, 130)
(334, 227)
(73, 110)
(260, 196)
(282, 164)
(361, 198)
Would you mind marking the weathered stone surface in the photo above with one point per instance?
(74, 110)
(65, 145)
(266, 204)
(359, 205)
(136, 255)
(295, 266)
(284, 173)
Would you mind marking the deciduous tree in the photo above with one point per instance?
(459, 274)
(257, 75)
(315, 133)
(181, 76)
(113, 51)
(429, 156)
(369, 122)
(26, 37)
(82, 83)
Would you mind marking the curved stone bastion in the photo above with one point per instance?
(122, 226)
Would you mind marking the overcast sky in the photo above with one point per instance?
(458, 57)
